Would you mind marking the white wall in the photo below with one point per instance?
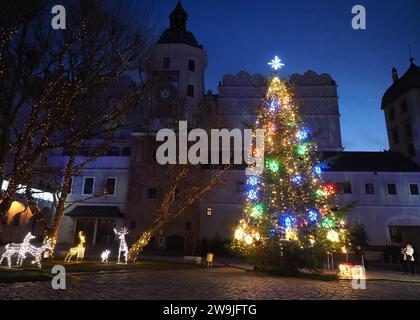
(380, 210)
(377, 212)
(100, 169)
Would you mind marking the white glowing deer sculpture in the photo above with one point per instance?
(123, 245)
(36, 252)
(78, 251)
(18, 249)
(105, 255)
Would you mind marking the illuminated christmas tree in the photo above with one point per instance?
(290, 219)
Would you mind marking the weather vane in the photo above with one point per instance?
(276, 63)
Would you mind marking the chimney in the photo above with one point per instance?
(394, 75)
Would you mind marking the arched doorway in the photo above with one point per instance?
(175, 243)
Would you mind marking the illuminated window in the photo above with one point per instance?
(209, 212)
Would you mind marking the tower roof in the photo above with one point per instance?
(410, 80)
(177, 31)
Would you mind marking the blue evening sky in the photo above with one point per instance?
(311, 34)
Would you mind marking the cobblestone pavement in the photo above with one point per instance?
(220, 283)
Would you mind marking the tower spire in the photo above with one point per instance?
(178, 17)
(411, 55)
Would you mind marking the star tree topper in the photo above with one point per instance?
(276, 63)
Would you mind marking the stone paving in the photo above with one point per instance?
(218, 283)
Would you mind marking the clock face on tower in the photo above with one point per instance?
(165, 93)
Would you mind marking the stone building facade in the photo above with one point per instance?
(385, 185)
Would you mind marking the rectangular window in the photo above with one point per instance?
(414, 189)
(395, 233)
(190, 91)
(209, 212)
(347, 188)
(191, 65)
(343, 187)
(152, 193)
(392, 188)
(369, 189)
(240, 186)
(110, 186)
(166, 63)
(105, 231)
(88, 184)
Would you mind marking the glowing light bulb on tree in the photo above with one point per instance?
(332, 235)
(239, 234)
(257, 211)
(252, 181)
(248, 239)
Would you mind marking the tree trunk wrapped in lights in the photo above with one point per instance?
(185, 185)
(289, 217)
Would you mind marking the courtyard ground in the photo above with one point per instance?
(217, 283)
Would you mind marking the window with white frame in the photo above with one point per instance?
(88, 185)
(369, 188)
(391, 188)
(414, 189)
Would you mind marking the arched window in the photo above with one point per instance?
(126, 152)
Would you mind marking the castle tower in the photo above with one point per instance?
(401, 106)
(177, 64)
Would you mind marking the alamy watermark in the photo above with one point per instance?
(212, 149)
(58, 282)
(359, 20)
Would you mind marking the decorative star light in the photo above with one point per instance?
(312, 215)
(276, 63)
(252, 181)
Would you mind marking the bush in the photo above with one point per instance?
(285, 258)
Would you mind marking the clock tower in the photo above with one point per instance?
(176, 66)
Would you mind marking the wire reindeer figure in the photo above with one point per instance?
(123, 245)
